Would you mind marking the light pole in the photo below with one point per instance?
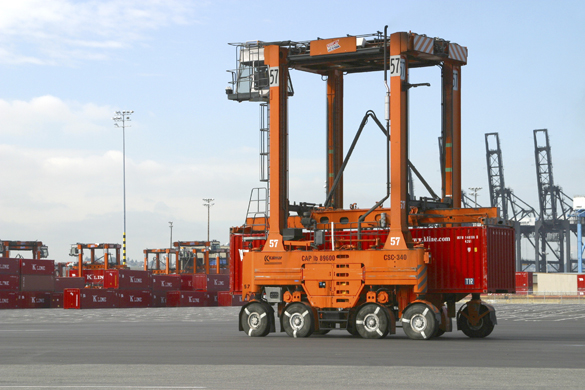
(123, 116)
(171, 226)
(208, 204)
(474, 191)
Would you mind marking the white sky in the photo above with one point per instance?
(66, 66)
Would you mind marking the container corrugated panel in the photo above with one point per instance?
(8, 300)
(524, 282)
(478, 259)
(194, 298)
(166, 282)
(44, 283)
(134, 298)
(37, 267)
(211, 282)
(57, 300)
(34, 300)
(61, 283)
(186, 282)
(9, 283)
(173, 298)
(580, 282)
(9, 266)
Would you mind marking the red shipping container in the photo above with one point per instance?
(524, 282)
(580, 282)
(173, 298)
(134, 298)
(37, 267)
(188, 299)
(159, 299)
(127, 279)
(56, 300)
(212, 299)
(34, 300)
(8, 300)
(166, 282)
(471, 259)
(9, 283)
(9, 266)
(61, 283)
(72, 298)
(186, 282)
(214, 282)
(45, 283)
(95, 298)
(93, 277)
(227, 298)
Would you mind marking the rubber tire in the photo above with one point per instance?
(297, 320)
(419, 322)
(372, 321)
(255, 320)
(484, 329)
(351, 324)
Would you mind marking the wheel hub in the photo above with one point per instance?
(418, 322)
(254, 320)
(297, 321)
(371, 322)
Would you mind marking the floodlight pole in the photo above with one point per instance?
(474, 191)
(123, 116)
(208, 204)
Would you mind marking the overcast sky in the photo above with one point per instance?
(66, 67)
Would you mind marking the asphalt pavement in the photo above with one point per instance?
(533, 346)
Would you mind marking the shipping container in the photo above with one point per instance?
(72, 298)
(524, 282)
(57, 300)
(159, 299)
(9, 283)
(471, 259)
(227, 298)
(93, 277)
(37, 267)
(134, 298)
(186, 282)
(89, 298)
(189, 299)
(166, 282)
(8, 300)
(44, 283)
(581, 282)
(126, 279)
(61, 283)
(9, 266)
(214, 282)
(34, 300)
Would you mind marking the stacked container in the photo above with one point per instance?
(132, 287)
(161, 285)
(37, 283)
(9, 283)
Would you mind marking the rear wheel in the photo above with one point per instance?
(482, 329)
(372, 321)
(419, 322)
(297, 320)
(255, 320)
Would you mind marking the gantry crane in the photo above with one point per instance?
(364, 270)
(553, 224)
(511, 206)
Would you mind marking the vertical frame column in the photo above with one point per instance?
(335, 134)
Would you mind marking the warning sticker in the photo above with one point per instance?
(333, 46)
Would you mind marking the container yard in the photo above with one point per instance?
(317, 195)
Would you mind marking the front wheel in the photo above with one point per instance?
(372, 321)
(481, 329)
(254, 319)
(297, 320)
(419, 322)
